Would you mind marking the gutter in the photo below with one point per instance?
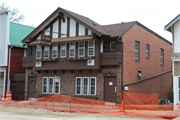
(148, 78)
(8, 89)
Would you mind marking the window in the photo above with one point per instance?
(81, 49)
(51, 85)
(91, 48)
(137, 50)
(85, 85)
(63, 50)
(72, 49)
(46, 52)
(54, 50)
(112, 46)
(38, 52)
(101, 48)
(162, 56)
(147, 50)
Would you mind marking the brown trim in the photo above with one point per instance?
(29, 75)
(77, 29)
(86, 75)
(86, 31)
(111, 74)
(59, 28)
(51, 30)
(68, 26)
(61, 15)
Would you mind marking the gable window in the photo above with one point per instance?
(46, 52)
(112, 45)
(72, 49)
(137, 50)
(162, 56)
(54, 50)
(85, 85)
(63, 50)
(91, 47)
(147, 50)
(38, 52)
(81, 49)
(51, 85)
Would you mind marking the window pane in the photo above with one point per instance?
(63, 52)
(38, 54)
(91, 43)
(92, 81)
(44, 89)
(91, 51)
(72, 52)
(78, 81)
(54, 53)
(85, 81)
(81, 44)
(50, 85)
(56, 89)
(85, 90)
(72, 45)
(46, 48)
(78, 90)
(38, 47)
(54, 46)
(81, 52)
(92, 90)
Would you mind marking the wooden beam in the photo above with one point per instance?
(72, 71)
(63, 71)
(80, 71)
(59, 28)
(46, 71)
(95, 37)
(61, 15)
(68, 26)
(99, 70)
(77, 29)
(54, 71)
(38, 71)
(86, 31)
(101, 39)
(51, 30)
(90, 71)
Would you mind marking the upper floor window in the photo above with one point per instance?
(54, 50)
(63, 50)
(162, 56)
(112, 46)
(137, 50)
(91, 47)
(147, 50)
(46, 52)
(38, 52)
(81, 49)
(72, 49)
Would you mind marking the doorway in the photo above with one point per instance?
(32, 86)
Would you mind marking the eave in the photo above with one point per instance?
(168, 26)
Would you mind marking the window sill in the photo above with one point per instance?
(137, 60)
(87, 96)
(147, 57)
(162, 65)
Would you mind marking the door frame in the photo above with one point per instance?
(28, 85)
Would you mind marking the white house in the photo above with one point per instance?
(174, 28)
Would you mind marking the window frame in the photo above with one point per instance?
(53, 50)
(39, 51)
(59, 85)
(73, 48)
(63, 49)
(137, 50)
(80, 86)
(91, 47)
(148, 51)
(162, 57)
(114, 45)
(45, 51)
(52, 85)
(81, 48)
(90, 86)
(87, 86)
(46, 86)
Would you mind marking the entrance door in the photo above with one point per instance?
(109, 89)
(18, 90)
(32, 87)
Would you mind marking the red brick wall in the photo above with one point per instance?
(148, 67)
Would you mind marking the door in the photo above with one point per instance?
(1, 83)
(110, 89)
(18, 90)
(32, 87)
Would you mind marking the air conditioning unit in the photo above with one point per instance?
(90, 62)
(38, 64)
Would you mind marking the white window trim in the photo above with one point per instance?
(55, 86)
(74, 49)
(137, 50)
(80, 86)
(40, 52)
(101, 47)
(46, 85)
(90, 86)
(63, 49)
(52, 85)
(46, 50)
(83, 50)
(87, 86)
(147, 51)
(110, 45)
(57, 50)
(91, 47)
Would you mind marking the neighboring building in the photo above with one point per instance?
(85, 59)
(12, 73)
(174, 28)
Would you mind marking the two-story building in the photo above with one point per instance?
(73, 55)
(12, 74)
(174, 27)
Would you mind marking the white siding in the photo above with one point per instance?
(55, 29)
(64, 27)
(4, 38)
(72, 28)
(89, 32)
(81, 30)
(177, 37)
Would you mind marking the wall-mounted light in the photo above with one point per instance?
(31, 72)
(108, 72)
(139, 74)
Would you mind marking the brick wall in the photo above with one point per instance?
(148, 66)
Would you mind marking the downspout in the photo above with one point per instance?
(8, 89)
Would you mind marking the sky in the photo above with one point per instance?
(154, 14)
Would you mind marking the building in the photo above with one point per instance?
(174, 28)
(12, 73)
(73, 55)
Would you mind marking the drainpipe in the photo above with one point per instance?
(9, 81)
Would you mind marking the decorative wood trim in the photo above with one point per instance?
(77, 29)
(59, 28)
(95, 37)
(61, 15)
(51, 30)
(46, 71)
(72, 71)
(86, 31)
(68, 26)
(38, 71)
(101, 39)
(54, 71)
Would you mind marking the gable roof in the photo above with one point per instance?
(114, 30)
(167, 27)
(18, 32)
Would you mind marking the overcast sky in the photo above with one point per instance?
(154, 14)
